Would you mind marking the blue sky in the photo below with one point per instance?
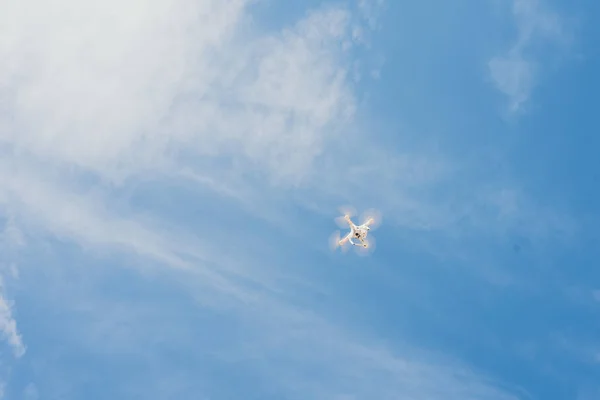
(170, 172)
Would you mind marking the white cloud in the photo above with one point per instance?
(98, 95)
(8, 326)
(515, 73)
(513, 76)
(116, 90)
(11, 241)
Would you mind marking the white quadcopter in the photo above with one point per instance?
(372, 219)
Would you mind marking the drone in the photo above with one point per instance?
(371, 218)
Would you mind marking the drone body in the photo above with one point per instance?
(358, 233)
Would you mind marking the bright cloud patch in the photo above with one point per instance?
(514, 73)
(119, 89)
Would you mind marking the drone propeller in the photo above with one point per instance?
(372, 218)
(334, 240)
(364, 251)
(345, 210)
(345, 247)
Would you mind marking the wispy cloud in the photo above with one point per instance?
(8, 325)
(515, 72)
(166, 83)
(11, 241)
(357, 370)
(287, 350)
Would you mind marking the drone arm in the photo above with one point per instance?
(344, 240)
(353, 243)
(348, 220)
